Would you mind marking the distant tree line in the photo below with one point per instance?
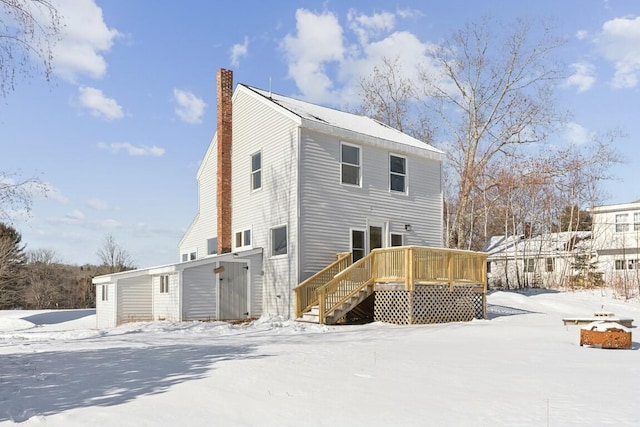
(38, 279)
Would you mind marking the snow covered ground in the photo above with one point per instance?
(522, 366)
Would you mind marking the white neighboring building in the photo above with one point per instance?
(284, 186)
(616, 233)
(544, 260)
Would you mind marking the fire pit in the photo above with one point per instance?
(605, 335)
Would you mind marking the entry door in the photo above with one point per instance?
(233, 286)
(376, 235)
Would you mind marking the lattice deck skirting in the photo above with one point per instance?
(428, 304)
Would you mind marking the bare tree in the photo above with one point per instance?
(112, 255)
(494, 95)
(28, 31)
(391, 98)
(16, 194)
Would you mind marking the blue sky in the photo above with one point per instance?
(118, 133)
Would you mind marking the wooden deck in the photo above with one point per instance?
(341, 286)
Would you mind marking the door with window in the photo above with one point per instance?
(376, 235)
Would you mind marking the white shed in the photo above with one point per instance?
(218, 287)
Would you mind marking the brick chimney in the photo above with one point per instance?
(225, 92)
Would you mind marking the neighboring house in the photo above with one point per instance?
(616, 233)
(283, 188)
(545, 260)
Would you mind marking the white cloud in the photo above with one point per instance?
(97, 204)
(318, 41)
(367, 26)
(319, 49)
(619, 43)
(583, 76)
(238, 51)
(576, 134)
(132, 150)
(581, 34)
(98, 104)
(85, 38)
(190, 108)
(75, 216)
(408, 13)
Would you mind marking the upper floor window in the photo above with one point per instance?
(256, 171)
(636, 221)
(212, 246)
(279, 240)
(350, 164)
(243, 238)
(622, 223)
(398, 173)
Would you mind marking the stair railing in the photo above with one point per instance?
(345, 285)
(306, 292)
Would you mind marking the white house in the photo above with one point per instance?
(616, 232)
(545, 260)
(284, 186)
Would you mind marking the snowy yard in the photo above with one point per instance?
(522, 366)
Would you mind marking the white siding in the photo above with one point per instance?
(166, 306)
(204, 225)
(199, 293)
(258, 126)
(134, 299)
(106, 310)
(329, 209)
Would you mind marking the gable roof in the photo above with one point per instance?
(550, 244)
(318, 117)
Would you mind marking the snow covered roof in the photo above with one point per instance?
(316, 114)
(540, 245)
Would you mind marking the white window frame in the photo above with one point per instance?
(405, 175)
(105, 293)
(164, 284)
(271, 244)
(359, 165)
(257, 172)
(529, 265)
(550, 264)
(620, 264)
(243, 238)
(622, 223)
(636, 221)
(215, 252)
(364, 242)
(391, 239)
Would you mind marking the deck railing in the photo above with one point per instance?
(409, 265)
(306, 292)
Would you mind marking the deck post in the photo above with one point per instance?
(321, 306)
(450, 270)
(411, 285)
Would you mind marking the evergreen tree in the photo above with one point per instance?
(12, 261)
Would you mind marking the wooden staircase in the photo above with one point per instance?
(313, 315)
(329, 295)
